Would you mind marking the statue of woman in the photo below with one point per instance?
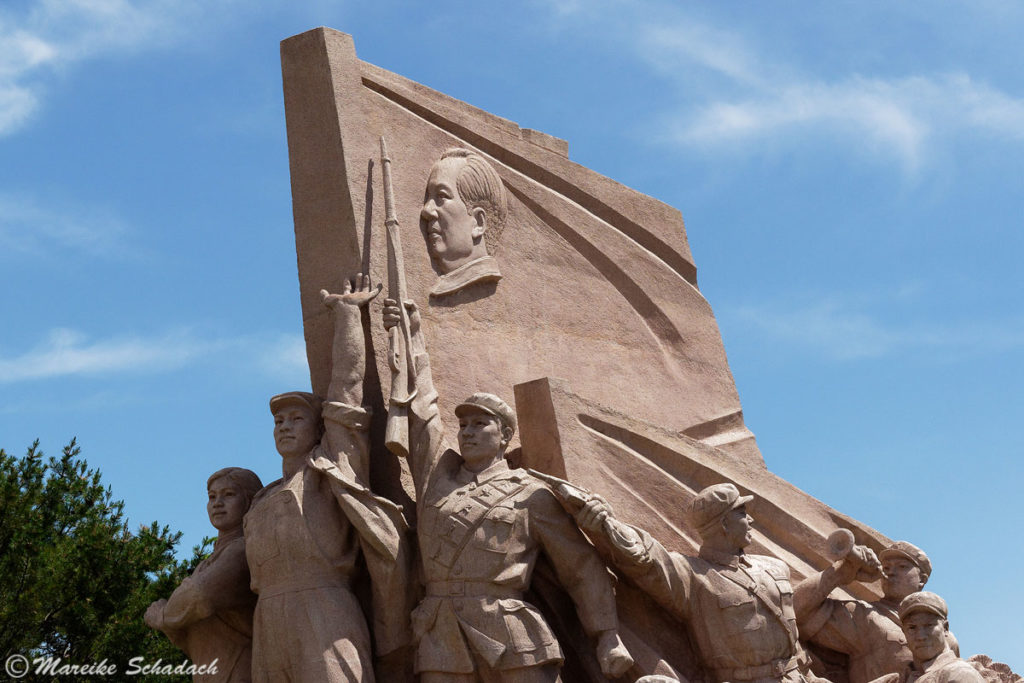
(209, 615)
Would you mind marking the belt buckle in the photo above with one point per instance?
(457, 590)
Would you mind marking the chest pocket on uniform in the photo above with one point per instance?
(260, 526)
(739, 612)
(497, 530)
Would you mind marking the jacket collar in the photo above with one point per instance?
(497, 468)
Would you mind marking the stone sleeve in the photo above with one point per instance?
(579, 568)
(427, 441)
(188, 604)
(346, 438)
(957, 671)
(836, 624)
(218, 585)
(665, 576)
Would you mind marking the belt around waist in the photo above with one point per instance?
(295, 584)
(777, 668)
(480, 589)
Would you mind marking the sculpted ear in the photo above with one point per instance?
(480, 218)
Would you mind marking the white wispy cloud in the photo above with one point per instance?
(41, 38)
(752, 96)
(66, 353)
(28, 226)
(843, 330)
(16, 105)
(898, 117)
(874, 111)
(679, 42)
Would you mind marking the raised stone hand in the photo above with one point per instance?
(612, 654)
(356, 294)
(860, 564)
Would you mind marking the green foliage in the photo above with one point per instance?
(75, 581)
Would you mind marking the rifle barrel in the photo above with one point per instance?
(389, 193)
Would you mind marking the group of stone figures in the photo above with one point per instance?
(277, 599)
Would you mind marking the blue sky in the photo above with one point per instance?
(850, 174)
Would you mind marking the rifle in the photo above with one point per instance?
(574, 497)
(403, 380)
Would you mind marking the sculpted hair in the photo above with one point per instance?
(246, 481)
(480, 185)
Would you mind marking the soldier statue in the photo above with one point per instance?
(308, 533)
(481, 527)
(738, 607)
(869, 632)
(209, 616)
(924, 617)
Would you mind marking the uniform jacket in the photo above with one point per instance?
(305, 536)
(869, 632)
(946, 668)
(480, 536)
(733, 629)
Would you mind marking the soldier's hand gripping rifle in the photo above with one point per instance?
(403, 378)
(574, 498)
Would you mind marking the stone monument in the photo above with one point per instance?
(619, 386)
(576, 300)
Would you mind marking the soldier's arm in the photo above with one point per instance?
(961, 672)
(841, 625)
(584, 576)
(811, 593)
(154, 618)
(345, 420)
(662, 575)
(219, 585)
(426, 432)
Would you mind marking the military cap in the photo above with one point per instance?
(923, 601)
(712, 503)
(910, 552)
(301, 398)
(481, 402)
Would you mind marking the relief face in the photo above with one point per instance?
(464, 210)
(454, 230)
